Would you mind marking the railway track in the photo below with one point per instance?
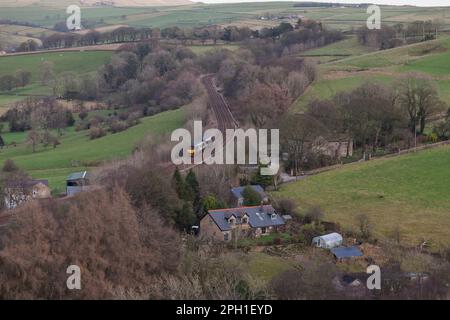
(221, 109)
(217, 102)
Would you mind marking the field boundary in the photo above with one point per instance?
(391, 155)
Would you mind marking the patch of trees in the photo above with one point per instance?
(310, 34)
(393, 36)
(39, 115)
(20, 79)
(153, 79)
(132, 247)
(307, 4)
(98, 126)
(28, 46)
(260, 94)
(93, 37)
(375, 118)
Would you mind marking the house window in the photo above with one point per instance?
(245, 220)
(226, 236)
(263, 230)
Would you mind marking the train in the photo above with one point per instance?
(200, 147)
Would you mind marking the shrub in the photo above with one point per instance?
(10, 166)
(96, 132)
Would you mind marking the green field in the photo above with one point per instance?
(384, 67)
(349, 47)
(78, 152)
(410, 191)
(200, 14)
(78, 62)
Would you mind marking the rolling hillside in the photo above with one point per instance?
(409, 191)
(87, 3)
(78, 152)
(78, 62)
(342, 70)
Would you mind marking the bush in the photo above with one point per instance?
(10, 166)
(96, 132)
(118, 126)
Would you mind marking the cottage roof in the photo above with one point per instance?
(258, 217)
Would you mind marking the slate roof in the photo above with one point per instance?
(77, 176)
(237, 192)
(258, 217)
(349, 252)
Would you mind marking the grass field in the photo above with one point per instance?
(348, 47)
(410, 191)
(266, 267)
(78, 62)
(77, 149)
(200, 14)
(383, 67)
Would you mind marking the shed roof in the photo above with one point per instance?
(332, 237)
(77, 175)
(349, 252)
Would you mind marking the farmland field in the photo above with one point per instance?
(383, 67)
(78, 152)
(78, 62)
(198, 14)
(409, 191)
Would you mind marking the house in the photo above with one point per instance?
(238, 196)
(21, 191)
(77, 182)
(328, 241)
(224, 224)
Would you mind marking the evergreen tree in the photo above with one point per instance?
(186, 217)
(251, 197)
(210, 202)
(181, 187)
(263, 181)
(194, 192)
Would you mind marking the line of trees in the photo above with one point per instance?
(374, 117)
(19, 79)
(393, 36)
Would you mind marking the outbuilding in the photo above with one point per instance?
(328, 241)
(77, 182)
(346, 253)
